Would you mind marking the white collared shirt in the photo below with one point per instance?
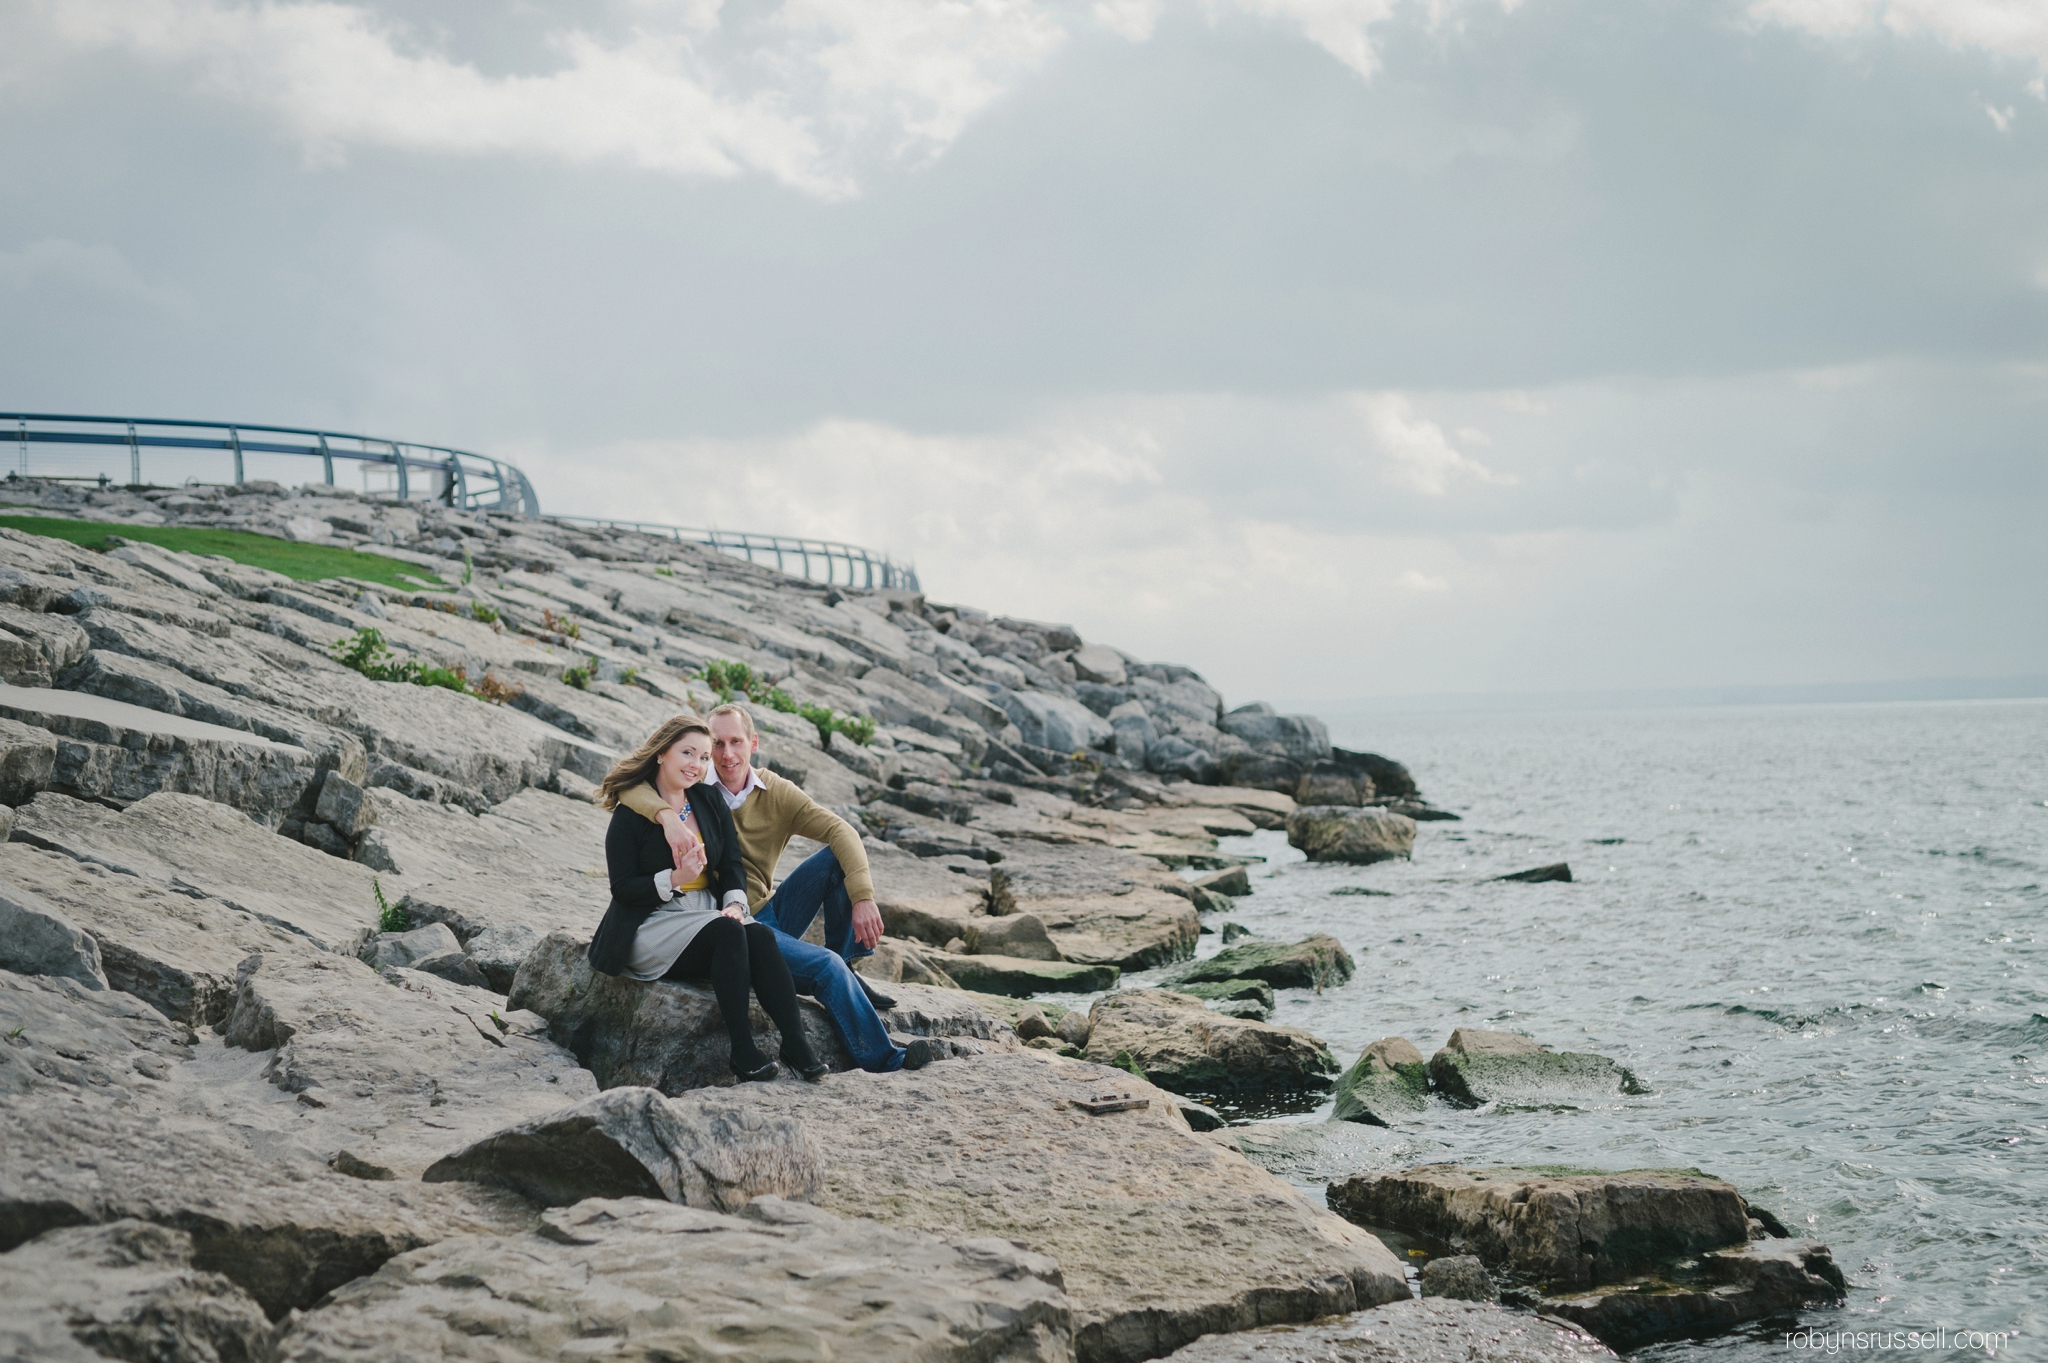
(754, 783)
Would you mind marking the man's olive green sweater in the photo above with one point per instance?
(772, 815)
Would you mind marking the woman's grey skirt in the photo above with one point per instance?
(667, 931)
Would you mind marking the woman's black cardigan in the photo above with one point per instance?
(635, 850)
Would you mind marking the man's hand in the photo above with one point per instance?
(867, 923)
(735, 913)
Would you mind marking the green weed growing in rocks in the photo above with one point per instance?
(390, 917)
(487, 614)
(581, 677)
(367, 653)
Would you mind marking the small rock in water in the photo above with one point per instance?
(1388, 1079)
(1360, 889)
(1233, 931)
(1459, 1276)
(1476, 1067)
(1231, 880)
(1557, 870)
(1312, 963)
(1338, 833)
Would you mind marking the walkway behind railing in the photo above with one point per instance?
(77, 448)
(92, 449)
(845, 565)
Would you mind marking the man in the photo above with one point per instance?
(768, 811)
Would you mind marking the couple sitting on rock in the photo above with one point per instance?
(692, 861)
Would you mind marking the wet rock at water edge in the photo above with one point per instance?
(1179, 1043)
(1021, 978)
(1388, 1080)
(1460, 1276)
(1476, 1067)
(1557, 870)
(1311, 963)
(1360, 836)
(1231, 880)
(1433, 1330)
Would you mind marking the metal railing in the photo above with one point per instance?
(843, 565)
(88, 449)
(399, 468)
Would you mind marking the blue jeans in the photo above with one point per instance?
(824, 972)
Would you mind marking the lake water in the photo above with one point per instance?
(1813, 930)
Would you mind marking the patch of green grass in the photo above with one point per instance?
(302, 562)
(390, 917)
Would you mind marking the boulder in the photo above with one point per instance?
(1360, 836)
(781, 1280)
(1477, 1067)
(498, 951)
(1048, 721)
(1100, 905)
(1312, 963)
(28, 756)
(108, 750)
(1121, 1193)
(1388, 777)
(1557, 870)
(895, 960)
(1389, 1079)
(631, 1142)
(1021, 977)
(400, 1068)
(1074, 1027)
(1018, 934)
(127, 1289)
(1173, 755)
(82, 1142)
(1721, 1289)
(177, 952)
(1231, 880)
(202, 847)
(408, 948)
(37, 939)
(1097, 663)
(664, 1035)
(1178, 1043)
(1557, 1231)
(35, 648)
(1257, 993)
(1327, 786)
(1459, 1276)
(1433, 1330)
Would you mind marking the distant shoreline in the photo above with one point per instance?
(1676, 698)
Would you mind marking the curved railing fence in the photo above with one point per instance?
(141, 452)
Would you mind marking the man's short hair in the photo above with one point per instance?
(739, 711)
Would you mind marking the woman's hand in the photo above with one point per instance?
(691, 859)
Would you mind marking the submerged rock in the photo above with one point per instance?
(781, 1280)
(1460, 1276)
(1477, 1067)
(1340, 833)
(1433, 1330)
(1179, 1043)
(1557, 870)
(1722, 1289)
(1389, 1079)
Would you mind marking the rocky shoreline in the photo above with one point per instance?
(303, 1060)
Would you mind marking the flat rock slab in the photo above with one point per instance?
(1179, 1043)
(1562, 1231)
(1312, 963)
(124, 1290)
(632, 1142)
(201, 847)
(1388, 1081)
(88, 1134)
(1021, 978)
(1719, 1290)
(1311, 1154)
(1162, 1235)
(1476, 1067)
(1432, 1331)
(781, 1281)
(403, 1067)
(177, 952)
(110, 750)
(1344, 833)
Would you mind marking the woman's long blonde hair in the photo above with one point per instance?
(638, 766)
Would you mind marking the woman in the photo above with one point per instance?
(665, 922)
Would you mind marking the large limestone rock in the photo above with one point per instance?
(1429, 1331)
(664, 1035)
(1719, 1290)
(1180, 1044)
(1312, 963)
(1021, 978)
(1388, 1080)
(631, 1142)
(1477, 1067)
(201, 847)
(1054, 722)
(1017, 934)
(1125, 1197)
(28, 756)
(37, 938)
(1340, 833)
(123, 1290)
(90, 1133)
(177, 952)
(779, 1281)
(109, 750)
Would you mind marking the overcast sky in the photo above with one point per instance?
(1339, 348)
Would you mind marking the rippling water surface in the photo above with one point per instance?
(1812, 930)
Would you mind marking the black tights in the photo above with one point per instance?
(733, 954)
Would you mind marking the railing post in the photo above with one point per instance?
(404, 485)
(458, 486)
(326, 460)
(134, 458)
(235, 439)
(24, 449)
